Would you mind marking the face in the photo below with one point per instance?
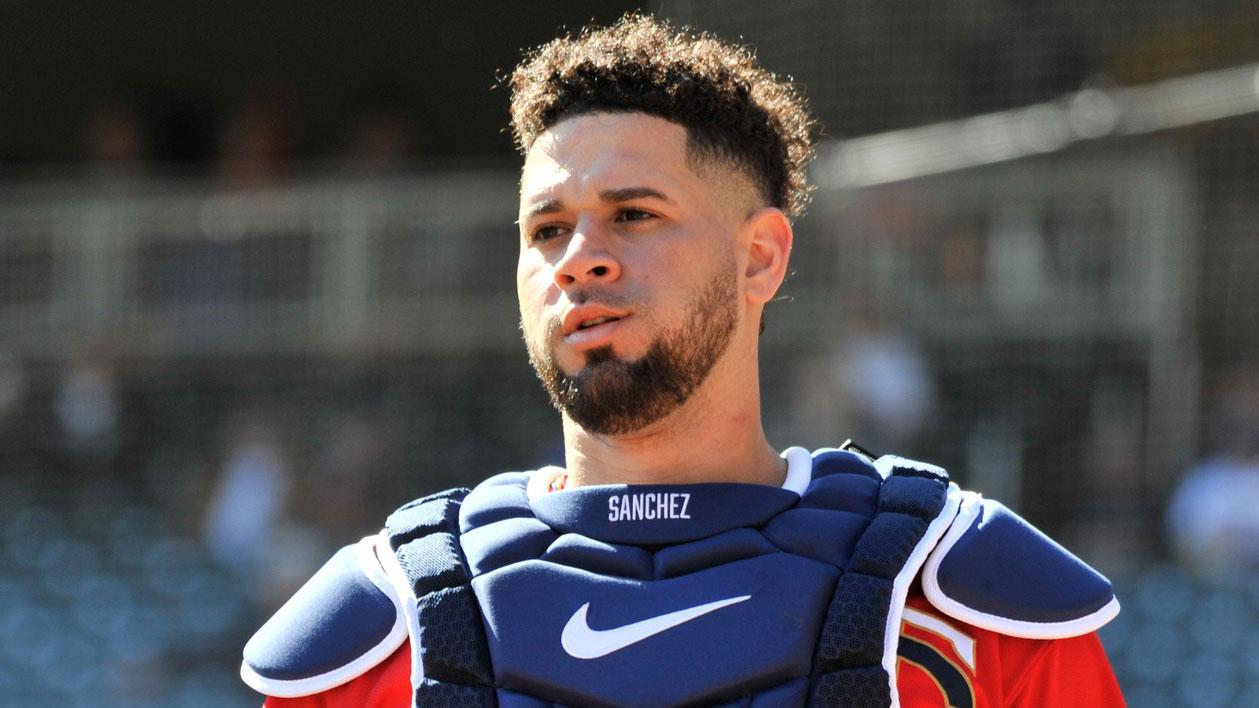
(628, 267)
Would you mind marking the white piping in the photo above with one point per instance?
(799, 474)
(962, 644)
(905, 578)
(540, 481)
(887, 463)
(799, 469)
(402, 588)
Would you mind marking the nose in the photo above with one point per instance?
(586, 261)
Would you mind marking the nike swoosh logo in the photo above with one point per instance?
(582, 642)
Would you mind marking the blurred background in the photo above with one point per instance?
(256, 291)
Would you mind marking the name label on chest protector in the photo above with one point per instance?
(648, 506)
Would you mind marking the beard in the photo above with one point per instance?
(611, 396)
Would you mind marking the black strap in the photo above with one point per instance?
(847, 664)
(424, 536)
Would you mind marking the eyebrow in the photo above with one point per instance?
(611, 196)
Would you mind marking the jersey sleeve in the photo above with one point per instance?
(947, 662)
(1060, 672)
(387, 685)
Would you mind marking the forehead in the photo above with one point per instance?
(598, 150)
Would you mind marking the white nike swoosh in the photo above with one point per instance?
(582, 642)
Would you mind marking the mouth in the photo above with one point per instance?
(587, 317)
(587, 324)
(593, 333)
(590, 326)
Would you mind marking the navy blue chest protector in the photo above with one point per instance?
(710, 594)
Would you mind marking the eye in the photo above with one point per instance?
(634, 215)
(546, 232)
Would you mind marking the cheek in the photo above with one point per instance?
(533, 289)
(529, 269)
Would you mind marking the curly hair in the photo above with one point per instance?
(732, 109)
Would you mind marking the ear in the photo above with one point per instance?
(769, 247)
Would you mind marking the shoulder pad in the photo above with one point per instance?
(340, 624)
(996, 571)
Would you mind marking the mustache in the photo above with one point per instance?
(603, 296)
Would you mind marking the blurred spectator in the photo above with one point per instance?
(260, 141)
(116, 138)
(251, 493)
(381, 140)
(350, 477)
(87, 406)
(875, 387)
(884, 380)
(1214, 514)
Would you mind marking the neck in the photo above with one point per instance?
(711, 438)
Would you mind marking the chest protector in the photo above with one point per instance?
(669, 595)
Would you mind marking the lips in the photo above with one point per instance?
(591, 326)
(587, 317)
(595, 322)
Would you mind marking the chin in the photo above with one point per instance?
(601, 355)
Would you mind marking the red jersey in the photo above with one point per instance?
(944, 663)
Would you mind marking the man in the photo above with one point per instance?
(678, 558)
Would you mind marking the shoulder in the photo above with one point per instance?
(349, 618)
(994, 570)
(942, 657)
(341, 624)
(981, 563)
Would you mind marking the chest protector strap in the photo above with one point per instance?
(851, 663)
(447, 635)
